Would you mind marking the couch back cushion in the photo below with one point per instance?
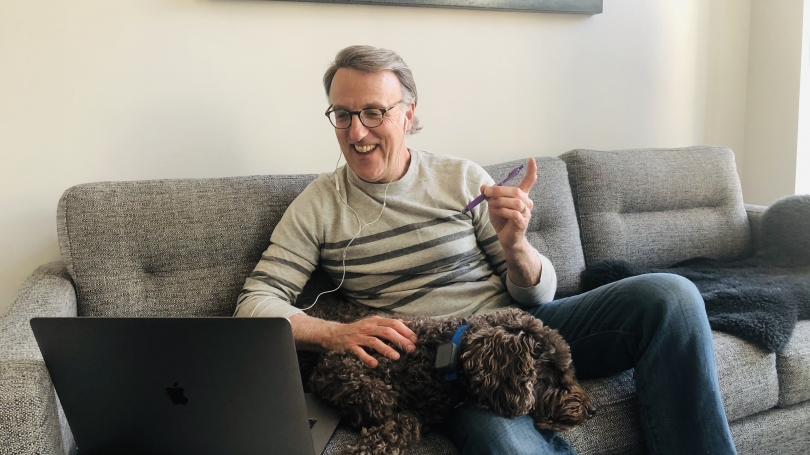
(655, 207)
(169, 247)
(184, 247)
(553, 227)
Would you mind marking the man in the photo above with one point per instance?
(390, 231)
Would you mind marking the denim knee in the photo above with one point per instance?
(670, 298)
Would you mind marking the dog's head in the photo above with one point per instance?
(561, 402)
(514, 365)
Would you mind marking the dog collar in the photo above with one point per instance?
(447, 355)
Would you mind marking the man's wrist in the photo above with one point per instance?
(312, 334)
(523, 264)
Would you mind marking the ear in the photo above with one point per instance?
(410, 111)
(552, 356)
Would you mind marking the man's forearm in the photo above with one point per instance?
(523, 264)
(311, 334)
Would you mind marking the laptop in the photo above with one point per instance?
(182, 386)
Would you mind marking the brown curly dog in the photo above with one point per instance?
(509, 362)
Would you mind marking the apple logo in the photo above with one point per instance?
(176, 394)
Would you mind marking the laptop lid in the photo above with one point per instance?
(178, 385)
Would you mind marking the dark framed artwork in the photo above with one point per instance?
(544, 6)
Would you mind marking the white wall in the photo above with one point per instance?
(803, 141)
(772, 106)
(142, 89)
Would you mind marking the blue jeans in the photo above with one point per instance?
(654, 323)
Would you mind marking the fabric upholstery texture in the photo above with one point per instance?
(169, 247)
(755, 213)
(793, 366)
(616, 428)
(33, 426)
(747, 376)
(553, 228)
(31, 418)
(47, 292)
(783, 431)
(656, 207)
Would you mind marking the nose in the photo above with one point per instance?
(590, 410)
(357, 131)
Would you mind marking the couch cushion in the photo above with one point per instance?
(783, 431)
(793, 367)
(168, 247)
(616, 428)
(553, 228)
(655, 207)
(747, 376)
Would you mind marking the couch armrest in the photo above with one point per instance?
(31, 418)
(47, 292)
(755, 213)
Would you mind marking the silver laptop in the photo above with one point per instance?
(182, 386)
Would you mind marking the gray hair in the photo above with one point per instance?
(373, 60)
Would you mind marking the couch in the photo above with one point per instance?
(184, 247)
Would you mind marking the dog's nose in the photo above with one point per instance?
(591, 410)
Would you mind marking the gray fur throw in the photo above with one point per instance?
(758, 298)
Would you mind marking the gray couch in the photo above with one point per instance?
(184, 248)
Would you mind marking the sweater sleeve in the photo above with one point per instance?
(287, 264)
(535, 295)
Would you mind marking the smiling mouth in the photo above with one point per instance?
(364, 148)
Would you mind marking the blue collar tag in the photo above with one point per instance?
(448, 354)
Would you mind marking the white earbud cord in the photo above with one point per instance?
(342, 278)
(359, 222)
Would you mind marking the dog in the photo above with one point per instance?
(508, 362)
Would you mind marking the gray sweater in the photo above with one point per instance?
(421, 257)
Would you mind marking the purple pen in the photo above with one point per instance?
(481, 198)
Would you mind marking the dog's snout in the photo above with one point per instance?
(591, 410)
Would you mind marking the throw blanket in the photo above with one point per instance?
(759, 298)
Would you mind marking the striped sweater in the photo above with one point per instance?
(421, 257)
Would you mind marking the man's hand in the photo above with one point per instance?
(510, 210)
(370, 333)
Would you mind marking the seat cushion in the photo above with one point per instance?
(655, 207)
(168, 247)
(783, 431)
(616, 428)
(553, 229)
(793, 367)
(747, 376)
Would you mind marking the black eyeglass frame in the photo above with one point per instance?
(359, 117)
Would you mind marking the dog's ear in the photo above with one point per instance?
(560, 401)
(498, 364)
(553, 356)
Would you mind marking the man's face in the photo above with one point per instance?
(376, 155)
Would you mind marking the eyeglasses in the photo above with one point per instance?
(370, 117)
